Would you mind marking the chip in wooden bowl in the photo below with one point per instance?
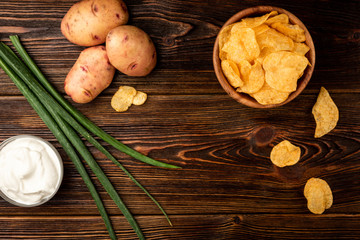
(263, 50)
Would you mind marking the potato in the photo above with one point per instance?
(90, 75)
(88, 22)
(131, 50)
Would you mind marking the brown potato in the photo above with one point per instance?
(131, 50)
(90, 75)
(88, 22)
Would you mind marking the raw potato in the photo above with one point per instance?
(88, 22)
(90, 75)
(131, 50)
(318, 194)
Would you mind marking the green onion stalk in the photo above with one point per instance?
(64, 121)
(56, 130)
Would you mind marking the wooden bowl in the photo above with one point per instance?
(245, 98)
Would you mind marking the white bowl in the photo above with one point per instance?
(59, 168)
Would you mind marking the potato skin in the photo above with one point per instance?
(131, 50)
(90, 75)
(88, 22)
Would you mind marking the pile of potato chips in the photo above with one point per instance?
(263, 56)
(125, 97)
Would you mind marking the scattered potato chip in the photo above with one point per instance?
(267, 95)
(318, 194)
(283, 69)
(255, 21)
(232, 73)
(293, 31)
(139, 98)
(300, 48)
(123, 98)
(252, 76)
(325, 112)
(285, 154)
(281, 18)
(241, 45)
(275, 40)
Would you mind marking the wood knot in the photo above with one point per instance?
(356, 35)
(262, 136)
(238, 219)
(169, 42)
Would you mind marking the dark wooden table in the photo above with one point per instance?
(227, 187)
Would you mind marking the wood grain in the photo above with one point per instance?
(227, 187)
(234, 226)
(186, 49)
(231, 165)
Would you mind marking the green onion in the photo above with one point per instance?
(68, 124)
(55, 129)
(68, 118)
(78, 115)
(53, 107)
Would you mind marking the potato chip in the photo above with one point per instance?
(285, 154)
(281, 18)
(325, 112)
(224, 36)
(256, 21)
(241, 45)
(318, 194)
(260, 29)
(139, 98)
(275, 40)
(300, 48)
(293, 31)
(245, 69)
(253, 77)
(283, 69)
(263, 53)
(231, 73)
(123, 98)
(316, 201)
(267, 95)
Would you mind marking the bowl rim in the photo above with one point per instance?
(245, 98)
(60, 177)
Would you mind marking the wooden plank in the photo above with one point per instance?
(223, 148)
(227, 187)
(184, 36)
(233, 226)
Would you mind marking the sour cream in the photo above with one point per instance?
(31, 170)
